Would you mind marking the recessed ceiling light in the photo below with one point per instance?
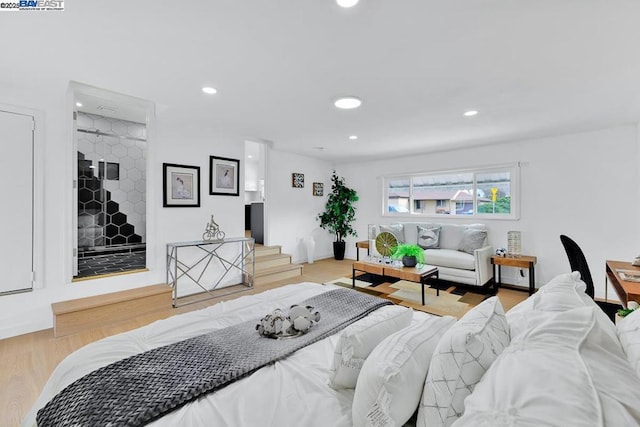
(353, 137)
(470, 113)
(209, 90)
(348, 102)
(250, 156)
(78, 104)
(347, 3)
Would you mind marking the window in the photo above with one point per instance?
(487, 192)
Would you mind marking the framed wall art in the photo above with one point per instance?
(318, 189)
(181, 186)
(224, 176)
(297, 180)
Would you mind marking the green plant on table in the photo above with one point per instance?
(409, 251)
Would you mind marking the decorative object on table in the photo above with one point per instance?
(409, 254)
(624, 312)
(339, 213)
(318, 189)
(278, 325)
(310, 245)
(224, 176)
(501, 252)
(212, 231)
(297, 180)
(386, 243)
(514, 244)
(181, 186)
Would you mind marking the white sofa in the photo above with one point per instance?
(453, 263)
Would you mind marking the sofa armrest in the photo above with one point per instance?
(484, 271)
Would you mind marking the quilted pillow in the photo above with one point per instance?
(462, 357)
(567, 371)
(472, 240)
(395, 229)
(628, 330)
(359, 339)
(428, 238)
(391, 380)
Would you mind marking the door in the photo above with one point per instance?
(16, 227)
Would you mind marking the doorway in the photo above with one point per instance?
(254, 190)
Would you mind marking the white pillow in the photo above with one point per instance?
(563, 292)
(628, 330)
(391, 380)
(567, 371)
(359, 339)
(463, 355)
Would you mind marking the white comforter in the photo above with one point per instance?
(291, 392)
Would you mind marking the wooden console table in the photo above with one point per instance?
(626, 290)
(241, 260)
(524, 261)
(411, 274)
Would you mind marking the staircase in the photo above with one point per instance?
(272, 266)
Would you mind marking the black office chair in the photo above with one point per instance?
(578, 262)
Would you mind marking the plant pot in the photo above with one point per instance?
(409, 261)
(338, 250)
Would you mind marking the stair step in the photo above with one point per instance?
(268, 261)
(267, 250)
(273, 274)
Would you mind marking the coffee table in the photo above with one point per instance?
(412, 274)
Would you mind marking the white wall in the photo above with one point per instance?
(582, 185)
(292, 211)
(170, 141)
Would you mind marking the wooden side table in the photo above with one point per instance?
(363, 244)
(524, 261)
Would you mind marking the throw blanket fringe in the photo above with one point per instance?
(141, 388)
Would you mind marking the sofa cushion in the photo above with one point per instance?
(428, 238)
(395, 229)
(566, 371)
(472, 240)
(450, 258)
(451, 234)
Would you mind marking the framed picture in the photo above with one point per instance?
(318, 189)
(181, 186)
(297, 180)
(224, 176)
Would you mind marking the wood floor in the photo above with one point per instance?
(28, 360)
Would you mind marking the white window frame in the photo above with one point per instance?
(512, 168)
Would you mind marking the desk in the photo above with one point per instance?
(627, 291)
(524, 261)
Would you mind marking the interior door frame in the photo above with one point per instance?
(37, 195)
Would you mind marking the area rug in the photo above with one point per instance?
(409, 294)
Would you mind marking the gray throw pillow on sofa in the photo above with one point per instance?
(428, 238)
(395, 229)
(472, 240)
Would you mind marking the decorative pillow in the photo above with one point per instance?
(391, 380)
(567, 371)
(428, 238)
(359, 339)
(395, 229)
(472, 240)
(462, 357)
(628, 330)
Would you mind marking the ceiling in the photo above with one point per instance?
(531, 68)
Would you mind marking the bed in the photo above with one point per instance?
(554, 359)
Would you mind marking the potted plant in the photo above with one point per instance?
(410, 254)
(624, 312)
(339, 213)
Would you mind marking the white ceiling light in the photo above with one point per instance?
(78, 104)
(348, 102)
(209, 90)
(353, 137)
(470, 113)
(250, 156)
(347, 3)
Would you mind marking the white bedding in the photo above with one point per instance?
(291, 392)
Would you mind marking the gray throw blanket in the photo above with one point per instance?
(141, 388)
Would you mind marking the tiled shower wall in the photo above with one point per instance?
(127, 147)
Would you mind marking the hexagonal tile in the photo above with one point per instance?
(134, 174)
(135, 152)
(127, 163)
(126, 184)
(111, 230)
(134, 239)
(141, 163)
(135, 130)
(119, 151)
(126, 207)
(134, 196)
(118, 218)
(119, 240)
(141, 207)
(112, 207)
(126, 230)
(85, 195)
(141, 185)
